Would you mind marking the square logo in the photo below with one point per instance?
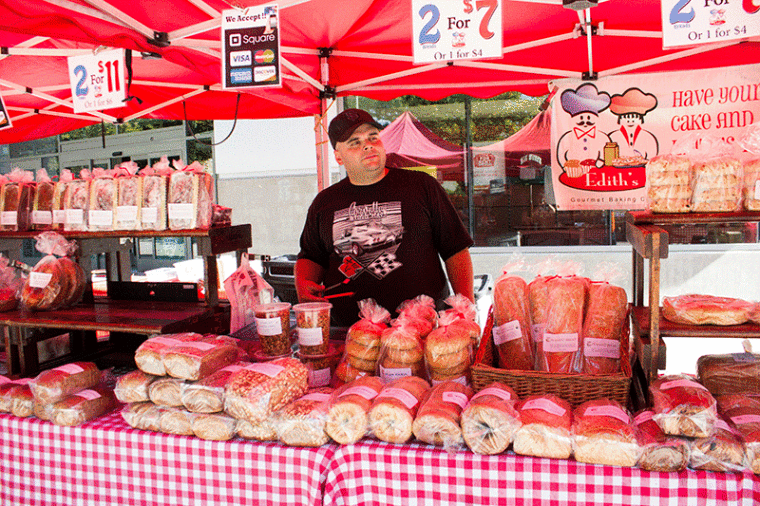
(235, 40)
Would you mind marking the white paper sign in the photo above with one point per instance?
(446, 30)
(693, 22)
(5, 119)
(97, 81)
(251, 47)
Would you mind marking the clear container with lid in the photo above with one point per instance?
(273, 327)
(321, 368)
(313, 327)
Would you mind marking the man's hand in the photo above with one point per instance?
(309, 277)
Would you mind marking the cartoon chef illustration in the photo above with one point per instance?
(583, 145)
(631, 138)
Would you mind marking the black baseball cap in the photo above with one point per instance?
(344, 124)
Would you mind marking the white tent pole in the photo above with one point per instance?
(27, 43)
(164, 104)
(122, 17)
(37, 51)
(32, 112)
(303, 75)
(633, 33)
(320, 128)
(589, 29)
(188, 31)
(516, 68)
(206, 8)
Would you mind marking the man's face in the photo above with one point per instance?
(631, 120)
(585, 119)
(363, 155)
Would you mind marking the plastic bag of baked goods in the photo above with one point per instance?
(149, 356)
(669, 183)
(53, 385)
(604, 328)
(392, 414)
(750, 142)
(743, 414)
(16, 197)
(682, 406)
(189, 201)
(214, 426)
(490, 420)
(166, 391)
(512, 321)
(448, 351)
(465, 314)
(659, 451)
(348, 415)
(53, 282)
(419, 313)
(42, 205)
(11, 283)
(603, 433)
(263, 430)
(438, 420)
(20, 400)
(718, 180)
(246, 290)
(730, 373)
(82, 406)
(257, 390)
(701, 309)
(194, 360)
(143, 415)
(207, 395)
(76, 202)
(722, 451)
(302, 421)
(401, 353)
(564, 324)
(546, 430)
(363, 342)
(133, 386)
(176, 421)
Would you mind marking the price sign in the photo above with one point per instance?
(694, 22)
(97, 81)
(251, 45)
(5, 119)
(446, 30)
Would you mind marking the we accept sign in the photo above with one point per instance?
(603, 132)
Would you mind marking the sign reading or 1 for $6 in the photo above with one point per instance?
(97, 80)
(447, 30)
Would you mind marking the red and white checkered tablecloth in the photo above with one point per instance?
(375, 473)
(106, 462)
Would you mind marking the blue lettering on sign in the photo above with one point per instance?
(241, 76)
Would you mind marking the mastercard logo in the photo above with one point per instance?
(266, 56)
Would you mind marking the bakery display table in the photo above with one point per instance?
(108, 462)
(375, 473)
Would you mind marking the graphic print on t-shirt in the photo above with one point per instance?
(369, 234)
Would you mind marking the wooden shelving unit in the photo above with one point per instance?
(22, 329)
(649, 237)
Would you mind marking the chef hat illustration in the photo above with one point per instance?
(633, 100)
(586, 98)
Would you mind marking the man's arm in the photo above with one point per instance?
(459, 271)
(309, 276)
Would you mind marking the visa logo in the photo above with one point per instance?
(240, 59)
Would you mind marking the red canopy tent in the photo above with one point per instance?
(409, 143)
(329, 49)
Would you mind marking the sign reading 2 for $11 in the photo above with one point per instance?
(447, 30)
(97, 80)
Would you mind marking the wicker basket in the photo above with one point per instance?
(574, 388)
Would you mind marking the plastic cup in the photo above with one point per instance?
(273, 327)
(313, 327)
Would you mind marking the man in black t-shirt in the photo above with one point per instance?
(381, 232)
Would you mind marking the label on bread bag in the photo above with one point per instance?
(180, 211)
(40, 279)
(126, 214)
(609, 411)
(316, 396)
(744, 357)
(682, 383)
(745, 419)
(507, 332)
(199, 345)
(149, 215)
(70, 368)
(88, 395)
(4, 380)
(266, 369)
(366, 392)
(406, 398)
(495, 391)
(642, 417)
(545, 405)
(74, 216)
(59, 216)
(42, 217)
(389, 373)
(457, 398)
(606, 348)
(757, 189)
(100, 218)
(269, 326)
(166, 341)
(560, 343)
(319, 378)
(462, 380)
(9, 218)
(537, 331)
(310, 337)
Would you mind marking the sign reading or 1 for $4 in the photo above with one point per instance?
(97, 80)
(446, 30)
